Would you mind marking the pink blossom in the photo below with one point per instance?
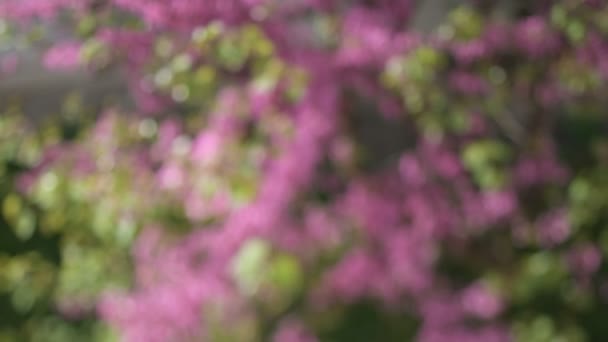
(584, 260)
(469, 52)
(479, 301)
(292, 331)
(367, 38)
(553, 228)
(467, 83)
(411, 171)
(535, 38)
(63, 56)
(171, 176)
(498, 205)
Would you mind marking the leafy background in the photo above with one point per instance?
(447, 185)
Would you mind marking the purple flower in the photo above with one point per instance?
(469, 52)
(63, 56)
(467, 83)
(584, 260)
(498, 205)
(478, 301)
(553, 228)
(292, 331)
(535, 38)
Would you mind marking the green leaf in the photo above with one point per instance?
(248, 264)
(286, 273)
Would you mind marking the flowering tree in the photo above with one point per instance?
(318, 171)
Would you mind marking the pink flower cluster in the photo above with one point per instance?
(64, 56)
(187, 14)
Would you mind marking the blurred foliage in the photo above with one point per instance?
(69, 219)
